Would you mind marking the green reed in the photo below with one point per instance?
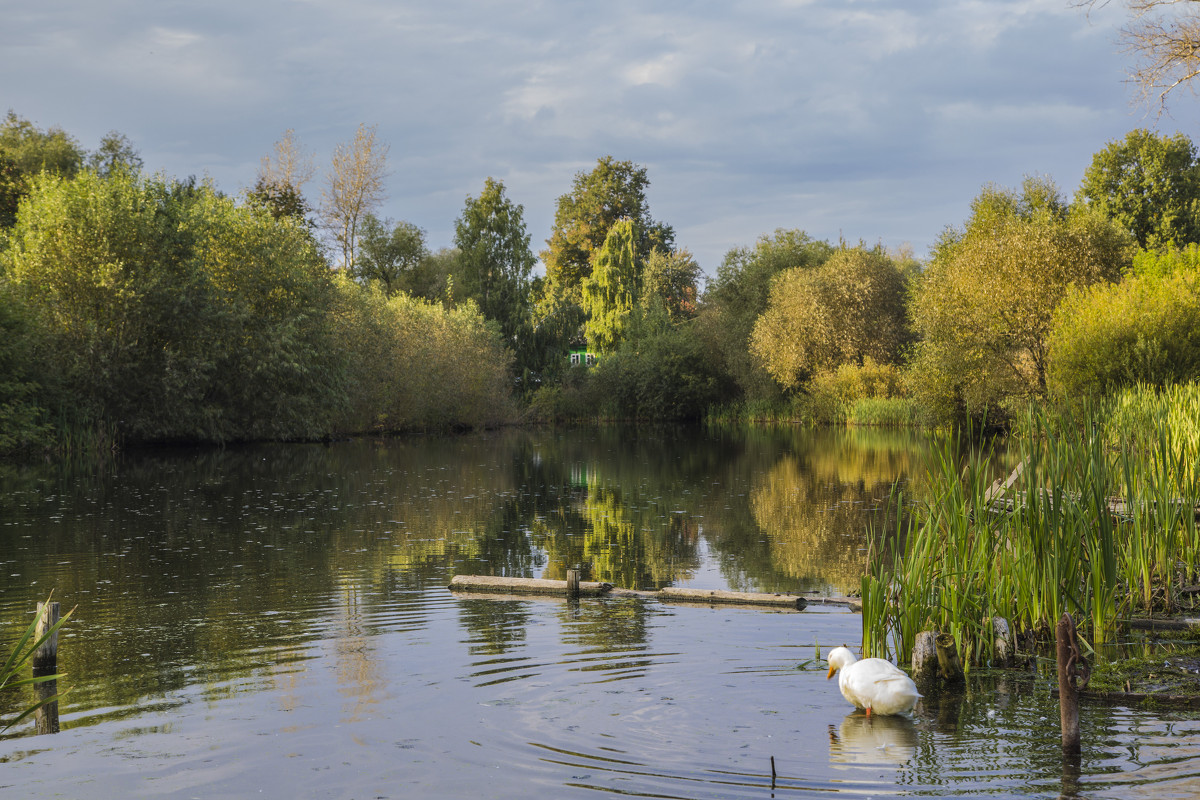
(1060, 540)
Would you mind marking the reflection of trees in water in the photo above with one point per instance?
(819, 528)
(811, 497)
(609, 625)
(495, 626)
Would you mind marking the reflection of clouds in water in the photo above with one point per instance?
(873, 740)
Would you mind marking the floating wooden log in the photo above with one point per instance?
(1172, 624)
(505, 586)
(497, 584)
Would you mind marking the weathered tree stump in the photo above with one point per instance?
(1005, 647)
(949, 667)
(925, 662)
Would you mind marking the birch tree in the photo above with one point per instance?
(353, 189)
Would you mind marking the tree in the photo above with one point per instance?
(612, 191)
(26, 152)
(353, 189)
(279, 186)
(850, 309)
(495, 262)
(1148, 184)
(115, 154)
(984, 307)
(389, 253)
(740, 293)
(1164, 38)
(610, 291)
(670, 284)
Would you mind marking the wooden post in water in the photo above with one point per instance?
(947, 655)
(925, 661)
(46, 717)
(1067, 652)
(45, 658)
(573, 583)
(1004, 641)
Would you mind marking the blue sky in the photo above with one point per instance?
(868, 119)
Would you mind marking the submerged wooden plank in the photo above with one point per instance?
(677, 594)
(503, 586)
(498, 584)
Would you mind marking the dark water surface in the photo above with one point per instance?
(274, 622)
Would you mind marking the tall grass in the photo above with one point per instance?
(1101, 522)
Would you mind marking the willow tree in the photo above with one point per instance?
(611, 291)
(612, 191)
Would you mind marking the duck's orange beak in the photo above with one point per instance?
(832, 670)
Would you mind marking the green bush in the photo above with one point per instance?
(1145, 330)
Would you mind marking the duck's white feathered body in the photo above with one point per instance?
(873, 684)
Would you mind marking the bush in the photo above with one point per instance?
(1144, 330)
(833, 394)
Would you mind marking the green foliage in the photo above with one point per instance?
(1167, 261)
(984, 306)
(281, 200)
(833, 394)
(1099, 522)
(1149, 184)
(740, 293)
(174, 314)
(670, 284)
(413, 364)
(25, 153)
(115, 154)
(665, 375)
(612, 191)
(23, 424)
(848, 309)
(610, 292)
(390, 254)
(495, 261)
(1143, 330)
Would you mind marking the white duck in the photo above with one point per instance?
(873, 684)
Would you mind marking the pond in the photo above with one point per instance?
(274, 621)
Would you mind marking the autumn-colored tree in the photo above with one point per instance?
(353, 188)
(740, 292)
(985, 305)
(279, 186)
(848, 310)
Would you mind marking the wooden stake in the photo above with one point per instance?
(1067, 651)
(572, 583)
(45, 658)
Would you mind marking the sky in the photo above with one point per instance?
(873, 120)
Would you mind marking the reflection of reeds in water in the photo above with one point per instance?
(873, 740)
